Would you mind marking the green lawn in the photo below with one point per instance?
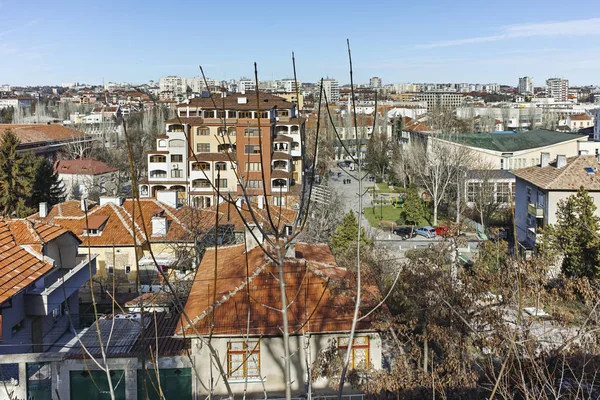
(390, 214)
(383, 187)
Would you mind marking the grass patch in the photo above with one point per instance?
(385, 215)
(384, 188)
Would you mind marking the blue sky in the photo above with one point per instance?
(49, 42)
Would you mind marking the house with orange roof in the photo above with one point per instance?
(577, 122)
(240, 311)
(85, 176)
(41, 273)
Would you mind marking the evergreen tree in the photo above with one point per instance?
(16, 178)
(344, 238)
(575, 235)
(412, 209)
(47, 186)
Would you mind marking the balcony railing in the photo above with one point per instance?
(535, 210)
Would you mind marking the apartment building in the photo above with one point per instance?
(526, 85)
(557, 89)
(441, 99)
(331, 87)
(214, 141)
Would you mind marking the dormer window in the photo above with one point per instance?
(95, 225)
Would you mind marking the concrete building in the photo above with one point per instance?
(322, 318)
(539, 189)
(207, 148)
(87, 176)
(557, 89)
(331, 88)
(375, 82)
(441, 99)
(578, 122)
(39, 292)
(526, 85)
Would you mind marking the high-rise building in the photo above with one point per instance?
(331, 87)
(526, 85)
(206, 148)
(375, 82)
(557, 88)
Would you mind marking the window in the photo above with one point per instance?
(203, 131)
(158, 174)
(176, 143)
(253, 166)
(264, 114)
(209, 114)
(231, 130)
(203, 147)
(192, 113)
(251, 149)
(251, 132)
(176, 173)
(243, 359)
(58, 311)
(157, 159)
(472, 191)
(18, 326)
(200, 166)
(244, 114)
(222, 183)
(278, 201)
(502, 192)
(176, 158)
(200, 183)
(254, 184)
(529, 195)
(222, 131)
(111, 269)
(221, 166)
(128, 269)
(92, 232)
(221, 114)
(360, 351)
(162, 143)
(283, 113)
(231, 114)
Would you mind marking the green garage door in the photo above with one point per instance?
(93, 385)
(175, 384)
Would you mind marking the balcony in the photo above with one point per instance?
(535, 210)
(60, 284)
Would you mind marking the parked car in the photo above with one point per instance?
(441, 230)
(405, 232)
(427, 231)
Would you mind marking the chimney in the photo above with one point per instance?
(84, 204)
(261, 202)
(291, 250)
(545, 160)
(111, 199)
(168, 197)
(251, 242)
(242, 100)
(561, 160)
(159, 224)
(43, 209)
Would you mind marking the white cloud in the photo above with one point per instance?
(580, 27)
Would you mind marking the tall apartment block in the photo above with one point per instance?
(214, 141)
(557, 88)
(331, 87)
(526, 85)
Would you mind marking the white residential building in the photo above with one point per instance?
(375, 82)
(526, 85)
(331, 87)
(557, 88)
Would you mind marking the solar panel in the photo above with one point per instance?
(589, 170)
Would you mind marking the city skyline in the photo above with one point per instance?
(50, 45)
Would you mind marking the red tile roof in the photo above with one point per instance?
(230, 102)
(248, 287)
(580, 117)
(82, 167)
(20, 267)
(33, 133)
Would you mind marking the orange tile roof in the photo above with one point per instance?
(82, 167)
(33, 133)
(118, 221)
(18, 266)
(580, 117)
(248, 287)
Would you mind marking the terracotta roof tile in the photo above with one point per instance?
(230, 102)
(33, 133)
(82, 167)
(580, 117)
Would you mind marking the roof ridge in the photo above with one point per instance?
(140, 230)
(121, 218)
(170, 214)
(34, 231)
(236, 290)
(564, 170)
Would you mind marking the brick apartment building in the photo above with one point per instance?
(214, 141)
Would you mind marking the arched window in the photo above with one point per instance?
(279, 182)
(200, 166)
(158, 173)
(203, 131)
(221, 166)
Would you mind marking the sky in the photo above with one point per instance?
(50, 42)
